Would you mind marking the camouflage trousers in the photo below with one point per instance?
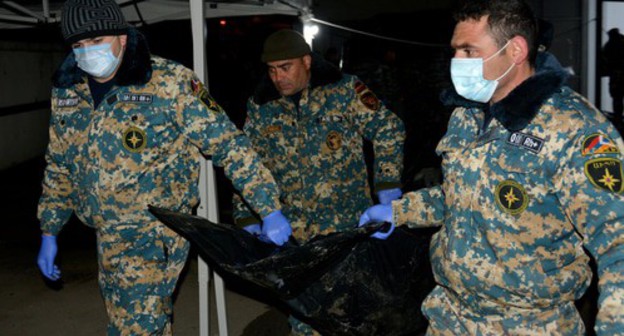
(139, 266)
(448, 317)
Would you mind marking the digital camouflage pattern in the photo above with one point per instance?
(521, 197)
(315, 152)
(141, 146)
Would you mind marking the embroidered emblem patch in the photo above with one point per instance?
(527, 141)
(334, 140)
(511, 197)
(605, 173)
(136, 98)
(598, 144)
(272, 129)
(67, 102)
(199, 90)
(367, 97)
(134, 139)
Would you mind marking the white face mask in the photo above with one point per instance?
(467, 77)
(97, 60)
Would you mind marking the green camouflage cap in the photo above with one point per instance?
(284, 44)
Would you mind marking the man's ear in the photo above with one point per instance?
(123, 39)
(519, 49)
(307, 61)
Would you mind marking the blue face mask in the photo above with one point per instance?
(97, 60)
(467, 77)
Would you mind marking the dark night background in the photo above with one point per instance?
(408, 78)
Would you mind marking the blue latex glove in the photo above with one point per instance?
(276, 228)
(388, 195)
(45, 259)
(378, 213)
(254, 229)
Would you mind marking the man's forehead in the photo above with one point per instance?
(283, 62)
(103, 37)
(469, 32)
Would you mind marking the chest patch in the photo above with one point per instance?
(134, 139)
(136, 98)
(67, 102)
(334, 140)
(598, 144)
(532, 143)
(272, 129)
(511, 197)
(605, 173)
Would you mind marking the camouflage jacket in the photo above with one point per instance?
(522, 195)
(315, 149)
(141, 146)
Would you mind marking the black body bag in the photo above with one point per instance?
(344, 283)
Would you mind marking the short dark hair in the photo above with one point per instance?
(506, 19)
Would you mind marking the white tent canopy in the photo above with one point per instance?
(29, 13)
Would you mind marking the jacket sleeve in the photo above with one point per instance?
(383, 128)
(56, 203)
(420, 208)
(208, 127)
(591, 192)
(243, 215)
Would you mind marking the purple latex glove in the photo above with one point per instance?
(276, 228)
(378, 213)
(254, 229)
(388, 195)
(45, 259)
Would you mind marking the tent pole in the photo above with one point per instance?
(46, 9)
(207, 186)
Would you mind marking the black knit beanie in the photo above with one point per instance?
(81, 19)
(284, 44)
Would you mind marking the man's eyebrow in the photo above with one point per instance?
(280, 65)
(462, 46)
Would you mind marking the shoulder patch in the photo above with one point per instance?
(598, 144)
(199, 91)
(511, 197)
(605, 173)
(367, 97)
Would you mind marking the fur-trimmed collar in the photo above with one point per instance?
(322, 73)
(521, 105)
(135, 68)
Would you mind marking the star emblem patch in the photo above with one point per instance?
(200, 91)
(511, 197)
(605, 173)
(134, 139)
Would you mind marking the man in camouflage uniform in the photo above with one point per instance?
(127, 131)
(532, 175)
(307, 121)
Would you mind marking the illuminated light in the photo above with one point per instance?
(309, 32)
(222, 22)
